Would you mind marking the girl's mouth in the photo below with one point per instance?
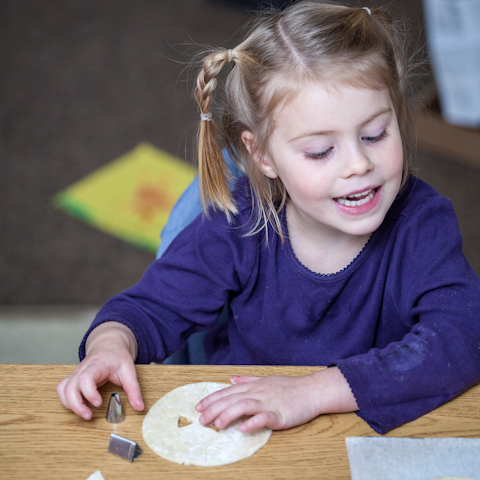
(358, 199)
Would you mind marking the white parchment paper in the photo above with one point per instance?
(388, 458)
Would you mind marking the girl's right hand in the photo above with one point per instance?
(111, 350)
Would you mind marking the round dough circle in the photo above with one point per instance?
(195, 444)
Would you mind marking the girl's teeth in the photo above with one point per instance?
(367, 196)
(361, 194)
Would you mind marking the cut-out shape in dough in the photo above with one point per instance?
(183, 422)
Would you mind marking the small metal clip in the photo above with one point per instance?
(115, 413)
(124, 448)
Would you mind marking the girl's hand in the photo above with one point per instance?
(110, 353)
(278, 402)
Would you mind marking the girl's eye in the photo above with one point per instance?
(319, 155)
(377, 138)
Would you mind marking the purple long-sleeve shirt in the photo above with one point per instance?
(402, 321)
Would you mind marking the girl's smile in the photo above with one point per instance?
(359, 203)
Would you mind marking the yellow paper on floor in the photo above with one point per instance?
(130, 197)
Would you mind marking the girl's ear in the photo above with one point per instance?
(263, 162)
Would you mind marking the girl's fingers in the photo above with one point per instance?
(239, 379)
(74, 400)
(236, 408)
(61, 392)
(226, 392)
(216, 407)
(82, 385)
(262, 419)
(132, 388)
(88, 382)
(202, 405)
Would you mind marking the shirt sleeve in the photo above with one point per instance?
(435, 289)
(184, 291)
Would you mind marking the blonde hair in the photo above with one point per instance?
(310, 40)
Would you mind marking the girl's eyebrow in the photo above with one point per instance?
(331, 132)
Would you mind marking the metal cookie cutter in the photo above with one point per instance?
(115, 413)
(124, 448)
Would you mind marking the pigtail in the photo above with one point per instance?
(213, 171)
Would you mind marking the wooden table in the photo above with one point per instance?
(40, 439)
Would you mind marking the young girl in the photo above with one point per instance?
(328, 252)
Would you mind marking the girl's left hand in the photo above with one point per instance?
(278, 402)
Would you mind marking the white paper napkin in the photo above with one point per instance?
(388, 458)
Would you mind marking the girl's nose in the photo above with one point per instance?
(356, 162)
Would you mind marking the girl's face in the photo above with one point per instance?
(339, 154)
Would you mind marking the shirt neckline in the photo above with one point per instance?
(346, 270)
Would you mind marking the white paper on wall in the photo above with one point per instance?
(453, 38)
